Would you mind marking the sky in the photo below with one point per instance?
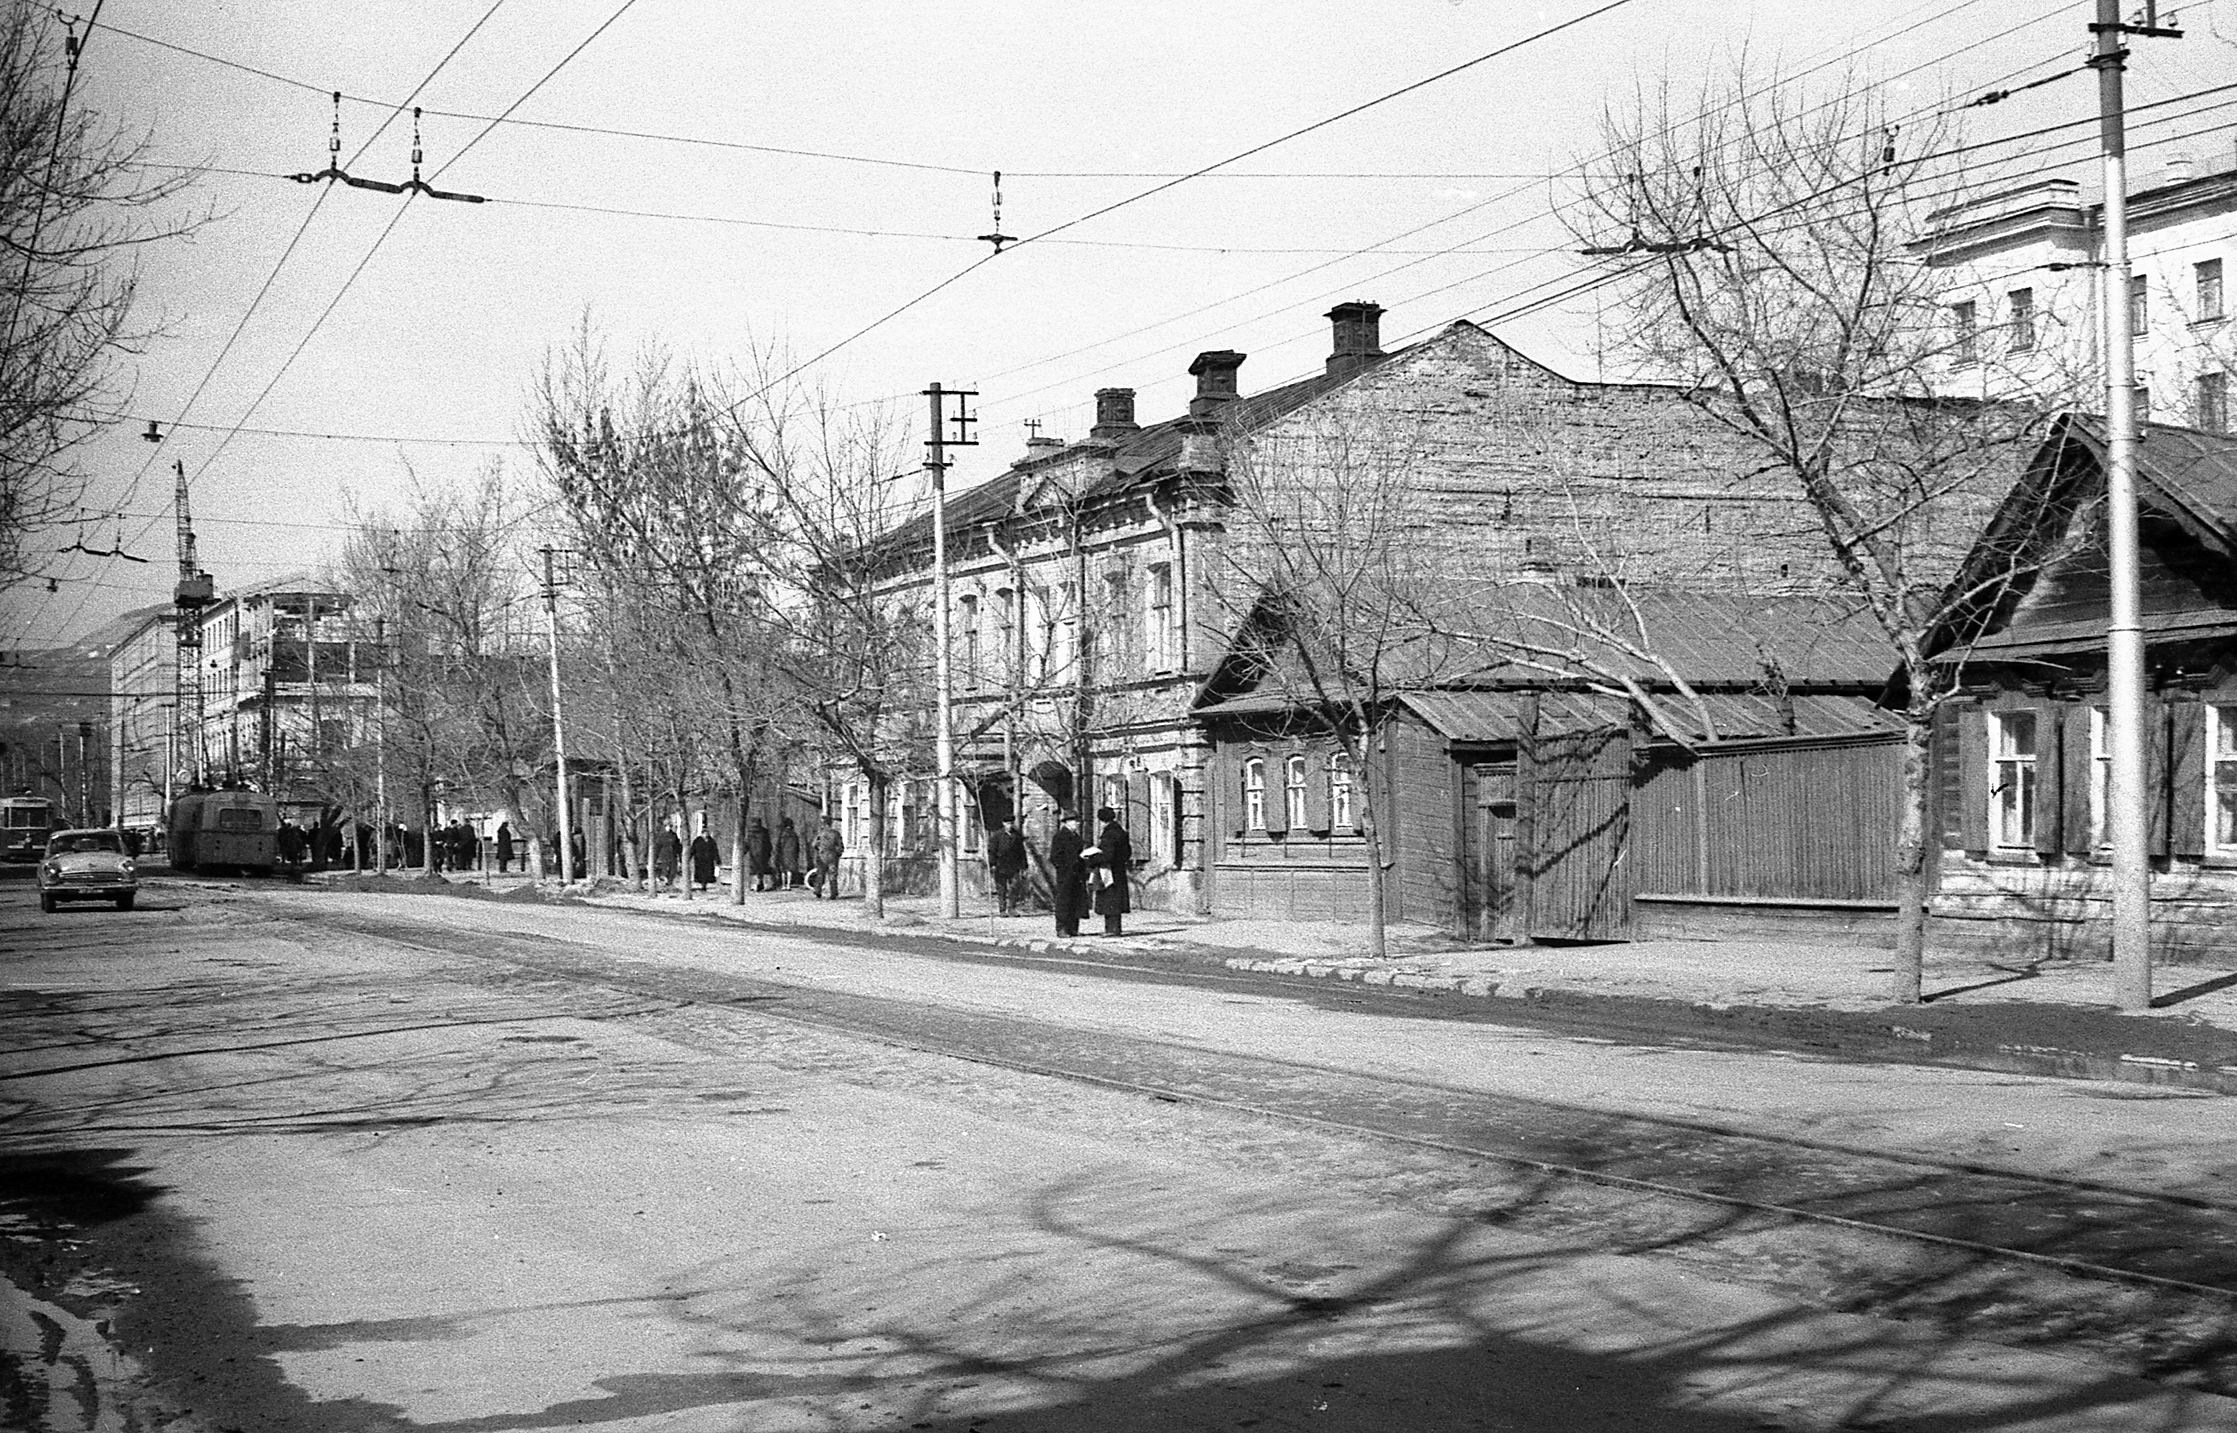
(797, 173)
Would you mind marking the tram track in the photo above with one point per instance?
(2164, 1243)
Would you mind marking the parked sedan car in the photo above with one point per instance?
(87, 866)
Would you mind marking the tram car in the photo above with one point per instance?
(224, 830)
(24, 824)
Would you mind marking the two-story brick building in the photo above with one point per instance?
(1097, 583)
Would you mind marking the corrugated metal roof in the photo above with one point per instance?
(1710, 639)
(1496, 716)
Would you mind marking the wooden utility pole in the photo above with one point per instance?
(943, 783)
(558, 728)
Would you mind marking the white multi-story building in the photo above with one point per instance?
(143, 756)
(2024, 291)
(286, 682)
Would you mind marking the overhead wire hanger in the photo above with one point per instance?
(415, 182)
(334, 170)
(998, 238)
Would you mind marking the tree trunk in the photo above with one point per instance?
(738, 852)
(1913, 875)
(1378, 942)
(873, 851)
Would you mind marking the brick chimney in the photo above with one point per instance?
(1358, 337)
(1215, 381)
(1114, 414)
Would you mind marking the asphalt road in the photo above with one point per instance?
(276, 1159)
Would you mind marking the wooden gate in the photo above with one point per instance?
(1490, 910)
(1576, 808)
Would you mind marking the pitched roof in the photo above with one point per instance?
(1135, 460)
(1493, 716)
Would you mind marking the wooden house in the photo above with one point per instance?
(2021, 759)
(1744, 782)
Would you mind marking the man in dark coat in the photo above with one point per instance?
(504, 847)
(1068, 875)
(705, 855)
(667, 856)
(829, 845)
(1005, 862)
(1113, 861)
(788, 854)
(757, 854)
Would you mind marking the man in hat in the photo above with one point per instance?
(1068, 874)
(1112, 862)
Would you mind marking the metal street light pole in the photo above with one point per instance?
(2124, 635)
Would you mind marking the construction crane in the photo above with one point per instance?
(194, 592)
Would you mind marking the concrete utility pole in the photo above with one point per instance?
(380, 747)
(2124, 634)
(943, 785)
(558, 729)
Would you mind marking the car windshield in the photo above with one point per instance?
(71, 841)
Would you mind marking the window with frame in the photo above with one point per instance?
(1006, 633)
(1110, 631)
(2139, 304)
(967, 618)
(2221, 780)
(2013, 780)
(1340, 792)
(1163, 835)
(1157, 616)
(1293, 791)
(2022, 327)
(2206, 277)
(1254, 794)
(1965, 331)
(2100, 775)
(2210, 401)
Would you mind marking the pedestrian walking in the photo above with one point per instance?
(1005, 863)
(705, 855)
(788, 854)
(466, 847)
(667, 857)
(1113, 863)
(757, 854)
(1068, 874)
(828, 847)
(290, 843)
(504, 848)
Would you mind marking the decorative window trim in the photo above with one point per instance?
(1254, 793)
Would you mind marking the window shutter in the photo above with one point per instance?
(1277, 792)
(2156, 784)
(2050, 768)
(2075, 777)
(2187, 802)
(1972, 777)
(1138, 809)
(1238, 820)
(1316, 792)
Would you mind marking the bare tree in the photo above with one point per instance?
(1760, 244)
(670, 494)
(76, 202)
(467, 712)
(1326, 574)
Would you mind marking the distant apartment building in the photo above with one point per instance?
(287, 681)
(2024, 291)
(144, 760)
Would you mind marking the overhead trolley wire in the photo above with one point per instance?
(132, 489)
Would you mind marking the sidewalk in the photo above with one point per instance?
(2053, 1017)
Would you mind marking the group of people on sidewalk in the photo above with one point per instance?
(1080, 876)
(774, 862)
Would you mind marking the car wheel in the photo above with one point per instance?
(124, 903)
(46, 902)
